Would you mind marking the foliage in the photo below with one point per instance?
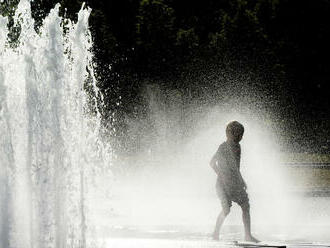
(138, 40)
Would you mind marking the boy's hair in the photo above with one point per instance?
(234, 128)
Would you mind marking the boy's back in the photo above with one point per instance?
(228, 158)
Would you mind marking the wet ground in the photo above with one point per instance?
(303, 221)
(314, 233)
(167, 243)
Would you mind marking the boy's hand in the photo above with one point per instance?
(214, 165)
(242, 181)
(244, 185)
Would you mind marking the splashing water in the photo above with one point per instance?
(51, 152)
(49, 138)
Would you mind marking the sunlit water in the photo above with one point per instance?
(172, 194)
(49, 137)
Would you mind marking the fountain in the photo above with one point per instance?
(51, 154)
(49, 129)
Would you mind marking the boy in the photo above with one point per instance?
(230, 185)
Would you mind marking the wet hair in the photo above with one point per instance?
(234, 128)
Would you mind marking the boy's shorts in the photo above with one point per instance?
(226, 198)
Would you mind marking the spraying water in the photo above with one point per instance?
(50, 147)
(170, 188)
(51, 151)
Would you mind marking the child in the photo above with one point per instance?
(230, 185)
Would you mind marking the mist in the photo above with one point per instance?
(168, 184)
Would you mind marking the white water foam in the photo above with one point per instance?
(50, 143)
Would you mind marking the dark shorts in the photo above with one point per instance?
(227, 197)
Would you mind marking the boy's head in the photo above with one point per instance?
(234, 131)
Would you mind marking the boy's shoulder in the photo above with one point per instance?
(223, 144)
(223, 147)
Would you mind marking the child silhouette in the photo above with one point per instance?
(230, 185)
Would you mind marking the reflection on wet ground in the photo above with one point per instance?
(182, 237)
(303, 222)
(166, 243)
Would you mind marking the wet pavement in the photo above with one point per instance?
(165, 243)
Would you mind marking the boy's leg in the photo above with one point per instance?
(246, 219)
(245, 205)
(221, 218)
(226, 204)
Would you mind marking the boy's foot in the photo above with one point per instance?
(250, 238)
(215, 236)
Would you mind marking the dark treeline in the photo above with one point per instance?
(138, 40)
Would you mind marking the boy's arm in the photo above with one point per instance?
(214, 163)
(240, 178)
